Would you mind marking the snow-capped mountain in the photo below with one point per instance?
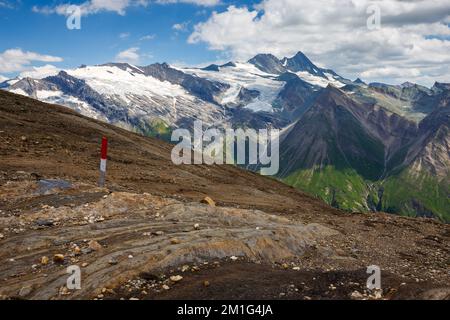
(264, 90)
(127, 96)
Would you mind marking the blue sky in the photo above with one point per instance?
(412, 42)
(104, 35)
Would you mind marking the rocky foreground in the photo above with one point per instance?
(164, 232)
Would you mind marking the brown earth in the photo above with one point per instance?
(264, 240)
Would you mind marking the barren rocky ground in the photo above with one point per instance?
(148, 235)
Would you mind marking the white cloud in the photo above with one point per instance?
(181, 27)
(40, 72)
(124, 35)
(93, 7)
(16, 60)
(6, 4)
(205, 3)
(334, 33)
(130, 55)
(148, 37)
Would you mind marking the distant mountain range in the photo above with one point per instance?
(358, 146)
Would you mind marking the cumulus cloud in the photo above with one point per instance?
(130, 55)
(40, 72)
(412, 42)
(16, 60)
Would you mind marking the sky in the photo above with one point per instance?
(408, 41)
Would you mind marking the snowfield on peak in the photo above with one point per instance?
(110, 80)
(244, 75)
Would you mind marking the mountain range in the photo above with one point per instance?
(357, 146)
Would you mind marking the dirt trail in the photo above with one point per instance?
(148, 224)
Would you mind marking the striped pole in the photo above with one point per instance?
(103, 158)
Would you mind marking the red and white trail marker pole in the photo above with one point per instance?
(104, 156)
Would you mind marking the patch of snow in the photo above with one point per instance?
(19, 91)
(319, 81)
(46, 94)
(13, 81)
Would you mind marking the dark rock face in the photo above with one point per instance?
(268, 63)
(216, 68)
(212, 67)
(246, 96)
(438, 96)
(296, 95)
(432, 147)
(228, 64)
(439, 87)
(300, 62)
(245, 118)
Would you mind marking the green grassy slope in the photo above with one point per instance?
(404, 193)
(344, 189)
(411, 194)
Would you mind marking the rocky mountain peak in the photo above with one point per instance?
(300, 62)
(268, 63)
